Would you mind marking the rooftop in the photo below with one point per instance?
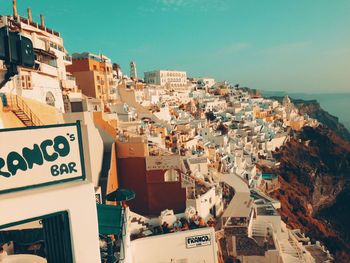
(317, 253)
(87, 55)
(33, 24)
(267, 210)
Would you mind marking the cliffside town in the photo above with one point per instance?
(314, 110)
(184, 169)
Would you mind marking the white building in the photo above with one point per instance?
(205, 82)
(46, 80)
(198, 245)
(169, 78)
(64, 201)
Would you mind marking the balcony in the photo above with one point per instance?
(70, 78)
(68, 84)
(48, 69)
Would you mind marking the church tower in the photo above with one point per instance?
(133, 72)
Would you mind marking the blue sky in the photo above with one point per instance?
(294, 46)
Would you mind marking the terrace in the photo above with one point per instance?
(267, 210)
(36, 25)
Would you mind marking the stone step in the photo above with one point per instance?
(139, 221)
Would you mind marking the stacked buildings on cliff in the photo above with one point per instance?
(188, 149)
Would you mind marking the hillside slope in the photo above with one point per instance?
(315, 187)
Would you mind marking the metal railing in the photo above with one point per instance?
(34, 24)
(125, 212)
(16, 102)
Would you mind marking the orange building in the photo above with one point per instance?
(156, 180)
(93, 75)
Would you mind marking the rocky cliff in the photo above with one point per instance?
(315, 111)
(315, 187)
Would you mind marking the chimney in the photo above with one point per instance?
(42, 20)
(14, 9)
(29, 15)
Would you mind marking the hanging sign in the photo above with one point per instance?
(40, 155)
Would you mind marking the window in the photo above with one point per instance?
(26, 81)
(46, 58)
(29, 82)
(95, 67)
(51, 238)
(171, 176)
(77, 106)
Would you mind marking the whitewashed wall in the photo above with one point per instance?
(92, 144)
(167, 247)
(78, 198)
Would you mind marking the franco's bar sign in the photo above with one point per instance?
(40, 155)
(198, 241)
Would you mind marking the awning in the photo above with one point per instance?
(121, 195)
(109, 219)
(41, 51)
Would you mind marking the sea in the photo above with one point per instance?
(337, 104)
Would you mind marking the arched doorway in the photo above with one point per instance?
(50, 99)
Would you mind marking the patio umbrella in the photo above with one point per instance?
(120, 195)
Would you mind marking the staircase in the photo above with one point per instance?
(289, 247)
(259, 229)
(140, 222)
(23, 117)
(18, 106)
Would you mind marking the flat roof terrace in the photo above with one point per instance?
(267, 210)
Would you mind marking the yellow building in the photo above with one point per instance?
(93, 75)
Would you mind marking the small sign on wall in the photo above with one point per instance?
(198, 241)
(40, 155)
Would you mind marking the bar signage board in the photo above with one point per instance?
(40, 155)
(198, 241)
